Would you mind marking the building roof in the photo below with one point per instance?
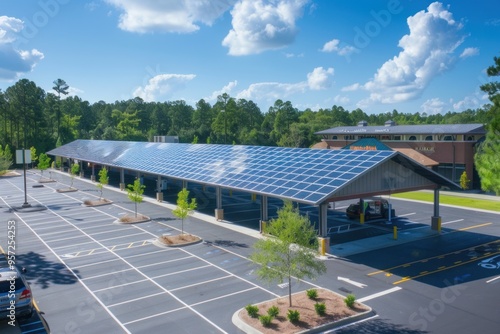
(451, 129)
(298, 174)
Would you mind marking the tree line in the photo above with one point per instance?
(29, 116)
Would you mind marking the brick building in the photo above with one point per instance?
(446, 148)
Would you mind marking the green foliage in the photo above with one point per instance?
(293, 316)
(75, 168)
(43, 162)
(291, 250)
(135, 193)
(34, 157)
(349, 300)
(464, 181)
(265, 320)
(195, 140)
(320, 308)
(184, 207)
(5, 159)
(273, 311)
(312, 293)
(487, 159)
(253, 310)
(103, 180)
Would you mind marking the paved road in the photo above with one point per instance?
(90, 275)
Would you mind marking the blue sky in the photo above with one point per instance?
(409, 55)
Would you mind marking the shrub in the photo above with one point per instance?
(273, 311)
(293, 316)
(312, 293)
(320, 308)
(349, 300)
(265, 320)
(253, 311)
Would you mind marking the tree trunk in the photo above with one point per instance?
(290, 290)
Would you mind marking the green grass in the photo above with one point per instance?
(452, 200)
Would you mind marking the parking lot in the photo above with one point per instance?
(92, 275)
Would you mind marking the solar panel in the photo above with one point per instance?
(303, 175)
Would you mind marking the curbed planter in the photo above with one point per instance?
(92, 203)
(132, 219)
(66, 190)
(46, 181)
(176, 240)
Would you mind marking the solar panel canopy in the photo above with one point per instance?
(299, 174)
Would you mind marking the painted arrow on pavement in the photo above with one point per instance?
(359, 285)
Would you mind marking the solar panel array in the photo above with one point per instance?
(299, 174)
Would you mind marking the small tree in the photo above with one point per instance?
(184, 207)
(43, 163)
(134, 193)
(291, 250)
(464, 181)
(34, 157)
(75, 168)
(5, 159)
(103, 180)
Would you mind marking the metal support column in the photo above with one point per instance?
(122, 179)
(323, 219)
(159, 193)
(92, 176)
(219, 211)
(436, 219)
(264, 214)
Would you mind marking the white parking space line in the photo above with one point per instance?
(106, 274)
(407, 214)
(378, 294)
(180, 272)
(493, 279)
(136, 299)
(121, 237)
(54, 233)
(201, 283)
(94, 263)
(144, 254)
(163, 262)
(67, 238)
(72, 245)
(157, 315)
(453, 221)
(225, 296)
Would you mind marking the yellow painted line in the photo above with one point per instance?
(406, 265)
(77, 254)
(424, 261)
(475, 226)
(130, 246)
(1, 250)
(113, 248)
(145, 243)
(487, 253)
(424, 272)
(440, 269)
(388, 274)
(90, 253)
(457, 262)
(427, 259)
(474, 257)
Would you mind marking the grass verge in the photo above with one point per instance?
(452, 200)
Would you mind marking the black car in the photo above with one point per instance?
(373, 208)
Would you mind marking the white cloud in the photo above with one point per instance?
(226, 89)
(469, 52)
(468, 102)
(352, 87)
(342, 100)
(73, 91)
(162, 85)
(433, 106)
(333, 46)
(260, 25)
(427, 52)
(269, 92)
(319, 78)
(14, 62)
(167, 15)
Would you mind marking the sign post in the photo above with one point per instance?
(24, 156)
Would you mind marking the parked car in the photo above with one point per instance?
(15, 295)
(373, 208)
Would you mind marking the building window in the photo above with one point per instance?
(334, 137)
(470, 138)
(397, 137)
(385, 138)
(448, 138)
(428, 138)
(412, 138)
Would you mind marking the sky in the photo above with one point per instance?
(408, 55)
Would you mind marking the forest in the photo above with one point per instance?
(32, 117)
